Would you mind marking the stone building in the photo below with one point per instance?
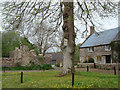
(97, 46)
(54, 58)
(57, 58)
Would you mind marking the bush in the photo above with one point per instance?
(47, 66)
(85, 61)
(57, 65)
(107, 68)
(78, 66)
(90, 60)
(39, 67)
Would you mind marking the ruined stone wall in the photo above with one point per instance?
(22, 57)
(25, 57)
(7, 62)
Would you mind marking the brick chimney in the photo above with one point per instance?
(92, 30)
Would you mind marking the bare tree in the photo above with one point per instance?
(25, 13)
(45, 37)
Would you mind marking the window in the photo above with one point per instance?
(53, 62)
(90, 49)
(99, 58)
(107, 48)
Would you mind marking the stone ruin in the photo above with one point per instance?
(24, 57)
(21, 57)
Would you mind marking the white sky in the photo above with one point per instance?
(106, 23)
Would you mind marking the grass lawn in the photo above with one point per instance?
(49, 80)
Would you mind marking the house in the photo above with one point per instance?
(57, 58)
(54, 58)
(98, 46)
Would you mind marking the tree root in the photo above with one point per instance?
(60, 75)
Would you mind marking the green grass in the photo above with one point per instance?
(49, 80)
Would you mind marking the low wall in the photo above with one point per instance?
(11, 62)
(84, 65)
(100, 66)
(108, 66)
(7, 62)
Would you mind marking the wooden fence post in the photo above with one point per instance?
(21, 77)
(114, 71)
(72, 79)
(87, 68)
(4, 68)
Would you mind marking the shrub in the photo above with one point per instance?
(90, 60)
(57, 65)
(85, 61)
(107, 68)
(47, 66)
(39, 67)
(78, 66)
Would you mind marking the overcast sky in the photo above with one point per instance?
(106, 23)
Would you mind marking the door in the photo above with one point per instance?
(108, 58)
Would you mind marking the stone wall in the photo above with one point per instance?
(84, 65)
(25, 57)
(100, 66)
(7, 62)
(22, 56)
(108, 66)
(48, 59)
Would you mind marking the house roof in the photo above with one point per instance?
(57, 56)
(117, 38)
(101, 38)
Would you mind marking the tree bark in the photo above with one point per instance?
(69, 35)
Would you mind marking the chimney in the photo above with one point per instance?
(91, 30)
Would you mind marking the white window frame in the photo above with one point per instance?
(107, 48)
(90, 49)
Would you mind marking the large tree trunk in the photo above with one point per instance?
(69, 37)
